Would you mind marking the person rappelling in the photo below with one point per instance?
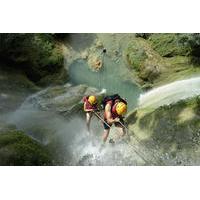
(90, 106)
(114, 109)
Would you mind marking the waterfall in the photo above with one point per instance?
(170, 93)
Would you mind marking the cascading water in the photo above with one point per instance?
(76, 148)
(38, 119)
(73, 145)
(170, 93)
(67, 135)
(114, 77)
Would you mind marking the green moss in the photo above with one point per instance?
(144, 60)
(136, 54)
(38, 55)
(168, 44)
(152, 69)
(168, 125)
(177, 68)
(18, 149)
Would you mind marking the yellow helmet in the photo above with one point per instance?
(121, 108)
(92, 100)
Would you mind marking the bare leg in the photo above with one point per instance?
(121, 132)
(105, 134)
(88, 120)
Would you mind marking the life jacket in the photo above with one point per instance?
(88, 105)
(112, 100)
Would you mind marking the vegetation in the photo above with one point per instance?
(171, 129)
(192, 42)
(143, 35)
(168, 44)
(38, 55)
(144, 60)
(16, 148)
(156, 59)
(136, 54)
(161, 58)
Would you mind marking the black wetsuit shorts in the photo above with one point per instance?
(117, 124)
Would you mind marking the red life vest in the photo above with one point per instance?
(88, 105)
(113, 109)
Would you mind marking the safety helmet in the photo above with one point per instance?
(92, 100)
(121, 108)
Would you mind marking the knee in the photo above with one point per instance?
(106, 131)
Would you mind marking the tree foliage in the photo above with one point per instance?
(192, 41)
(37, 54)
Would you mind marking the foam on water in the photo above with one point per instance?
(170, 93)
(70, 135)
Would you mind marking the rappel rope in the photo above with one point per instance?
(99, 75)
(127, 130)
(134, 149)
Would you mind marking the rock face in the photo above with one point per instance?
(147, 63)
(171, 131)
(38, 55)
(53, 117)
(160, 59)
(64, 99)
(16, 148)
(14, 88)
(85, 47)
(170, 134)
(95, 62)
(168, 44)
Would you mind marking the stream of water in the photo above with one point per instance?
(115, 78)
(170, 93)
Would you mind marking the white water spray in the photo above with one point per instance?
(170, 93)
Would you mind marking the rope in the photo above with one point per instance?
(134, 149)
(99, 79)
(138, 141)
(102, 68)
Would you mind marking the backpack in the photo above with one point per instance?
(112, 98)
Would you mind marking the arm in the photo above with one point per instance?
(108, 114)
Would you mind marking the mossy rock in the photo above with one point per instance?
(38, 55)
(143, 35)
(136, 54)
(16, 148)
(168, 44)
(152, 69)
(58, 78)
(14, 88)
(144, 60)
(177, 68)
(65, 100)
(172, 129)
